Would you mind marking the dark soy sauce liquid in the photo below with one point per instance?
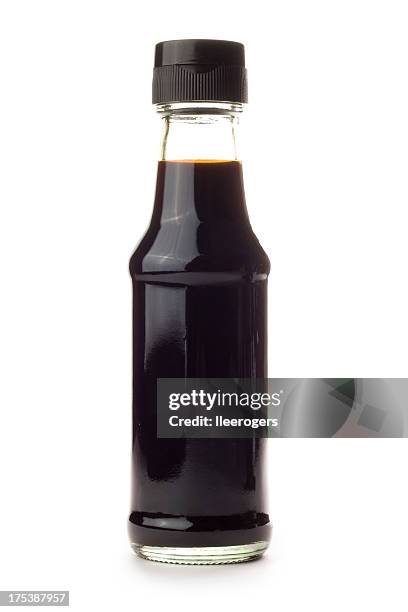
(199, 310)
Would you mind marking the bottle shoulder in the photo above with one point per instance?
(199, 248)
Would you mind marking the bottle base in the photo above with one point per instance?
(203, 555)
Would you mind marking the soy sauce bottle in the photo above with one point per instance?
(199, 310)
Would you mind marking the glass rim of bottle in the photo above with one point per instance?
(200, 107)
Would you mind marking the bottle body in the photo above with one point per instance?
(199, 310)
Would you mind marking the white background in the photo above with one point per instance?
(325, 153)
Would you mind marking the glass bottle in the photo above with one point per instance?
(199, 310)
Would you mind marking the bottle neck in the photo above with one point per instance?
(199, 177)
(205, 131)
